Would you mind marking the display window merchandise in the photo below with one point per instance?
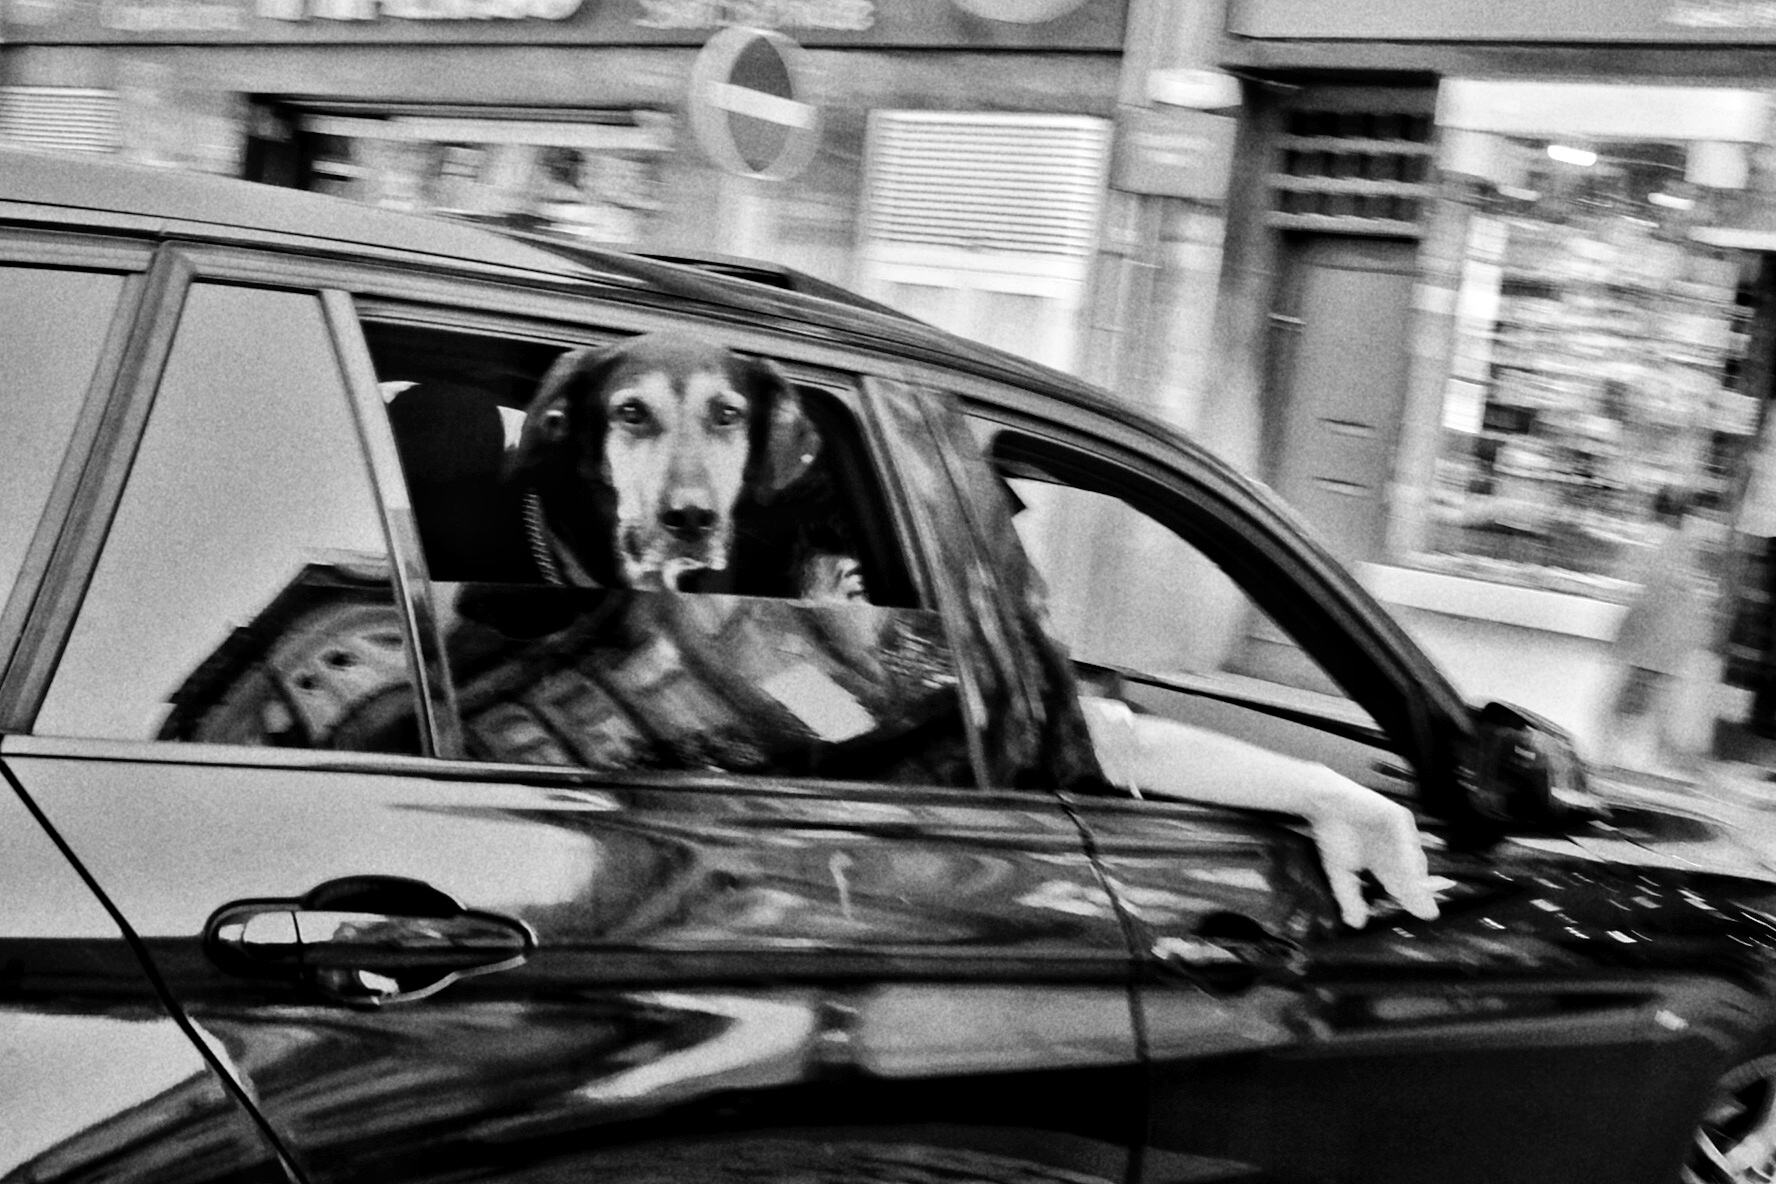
(1595, 359)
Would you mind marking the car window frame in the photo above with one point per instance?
(844, 374)
(122, 402)
(39, 616)
(1421, 732)
(68, 251)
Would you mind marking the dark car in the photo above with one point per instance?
(331, 854)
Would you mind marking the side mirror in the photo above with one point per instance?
(1527, 775)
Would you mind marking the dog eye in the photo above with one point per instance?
(726, 415)
(632, 413)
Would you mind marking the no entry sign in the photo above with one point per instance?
(749, 104)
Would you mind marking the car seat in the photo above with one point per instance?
(451, 439)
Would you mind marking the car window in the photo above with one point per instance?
(242, 594)
(587, 622)
(1124, 590)
(52, 327)
(1148, 616)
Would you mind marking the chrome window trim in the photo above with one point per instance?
(561, 777)
(39, 551)
(91, 482)
(439, 732)
(82, 251)
(945, 595)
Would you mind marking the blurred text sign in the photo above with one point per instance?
(1173, 152)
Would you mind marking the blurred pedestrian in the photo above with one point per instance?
(1650, 723)
(1755, 627)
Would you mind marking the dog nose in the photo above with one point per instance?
(688, 522)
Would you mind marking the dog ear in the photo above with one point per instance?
(785, 441)
(561, 400)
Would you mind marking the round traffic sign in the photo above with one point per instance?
(749, 104)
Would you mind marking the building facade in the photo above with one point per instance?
(1469, 283)
(1489, 265)
(957, 166)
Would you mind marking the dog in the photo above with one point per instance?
(634, 460)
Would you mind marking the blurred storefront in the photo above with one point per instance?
(1479, 263)
(959, 170)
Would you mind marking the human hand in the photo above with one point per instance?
(1358, 830)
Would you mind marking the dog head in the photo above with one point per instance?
(641, 451)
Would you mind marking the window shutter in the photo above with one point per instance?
(1354, 161)
(66, 118)
(987, 182)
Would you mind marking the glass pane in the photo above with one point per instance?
(798, 656)
(1127, 592)
(607, 189)
(52, 326)
(241, 595)
(618, 680)
(1596, 363)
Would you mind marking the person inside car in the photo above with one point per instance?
(1356, 830)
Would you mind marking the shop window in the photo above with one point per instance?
(1595, 362)
(597, 179)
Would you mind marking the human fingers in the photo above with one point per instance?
(1347, 890)
(1405, 874)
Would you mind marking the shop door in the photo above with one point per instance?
(1341, 353)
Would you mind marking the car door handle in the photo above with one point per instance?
(1228, 953)
(368, 940)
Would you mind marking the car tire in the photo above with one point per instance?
(1735, 1142)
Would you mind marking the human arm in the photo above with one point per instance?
(1354, 828)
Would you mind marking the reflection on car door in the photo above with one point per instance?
(101, 1082)
(422, 968)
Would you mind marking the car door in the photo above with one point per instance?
(423, 954)
(1486, 1045)
(98, 1072)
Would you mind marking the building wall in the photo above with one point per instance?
(1477, 627)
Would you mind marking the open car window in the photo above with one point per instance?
(1151, 617)
(801, 650)
(456, 402)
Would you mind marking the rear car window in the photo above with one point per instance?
(52, 328)
(797, 646)
(242, 595)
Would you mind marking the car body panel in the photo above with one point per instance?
(93, 1060)
(689, 943)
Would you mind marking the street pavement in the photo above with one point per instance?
(1735, 783)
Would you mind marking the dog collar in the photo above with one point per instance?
(552, 559)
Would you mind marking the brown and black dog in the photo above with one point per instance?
(634, 459)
